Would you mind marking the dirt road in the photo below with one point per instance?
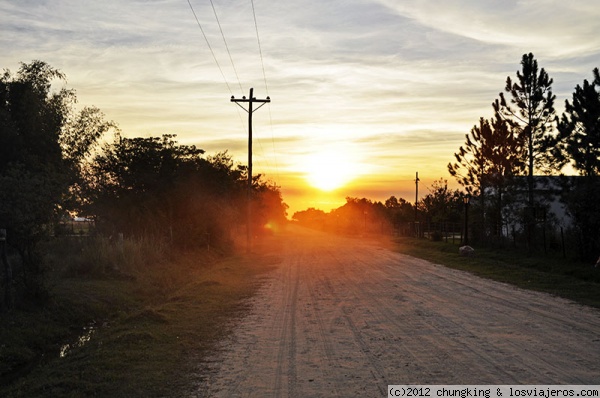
(345, 317)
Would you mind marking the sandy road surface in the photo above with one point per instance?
(342, 316)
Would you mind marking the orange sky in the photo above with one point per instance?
(364, 91)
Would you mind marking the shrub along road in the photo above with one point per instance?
(341, 316)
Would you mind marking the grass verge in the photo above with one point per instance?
(137, 333)
(546, 273)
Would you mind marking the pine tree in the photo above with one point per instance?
(580, 143)
(580, 129)
(531, 113)
(492, 154)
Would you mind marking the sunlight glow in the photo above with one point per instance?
(330, 169)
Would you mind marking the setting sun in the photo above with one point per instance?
(330, 169)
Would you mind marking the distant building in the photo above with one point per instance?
(549, 193)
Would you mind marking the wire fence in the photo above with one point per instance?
(546, 238)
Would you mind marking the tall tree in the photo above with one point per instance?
(579, 129)
(441, 204)
(399, 210)
(530, 111)
(42, 143)
(158, 188)
(580, 143)
(137, 184)
(491, 155)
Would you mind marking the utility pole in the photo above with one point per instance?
(251, 100)
(416, 202)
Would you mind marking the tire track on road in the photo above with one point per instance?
(343, 317)
(324, 341)
(286, 357)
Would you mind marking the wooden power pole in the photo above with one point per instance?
(417, 229)
(251, 101)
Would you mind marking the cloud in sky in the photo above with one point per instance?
(398, 82)
(555, 28)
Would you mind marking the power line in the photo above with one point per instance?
(209, 47)
(213, 55)
(260, 48)
(262, 62)
(273, 143)
(226, 46)
(233, 65)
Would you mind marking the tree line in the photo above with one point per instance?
(54, 164)
(359, 216)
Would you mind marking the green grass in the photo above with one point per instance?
(546, 273)
(153, 321)
(156, 315)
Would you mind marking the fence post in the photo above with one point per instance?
(514, 236)
(562, 240)
(7, 271)
(453, 232)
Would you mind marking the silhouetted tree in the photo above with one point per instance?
(392, 202)
(580, 129)
(130, 185)
(43, 141)
(155, 187)
(531, 113)
(271, 211)
(441, 204)
(359, 216)
(485, 165)
(491, 153)
(311, 217)
(399, 211)
(580, 143)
